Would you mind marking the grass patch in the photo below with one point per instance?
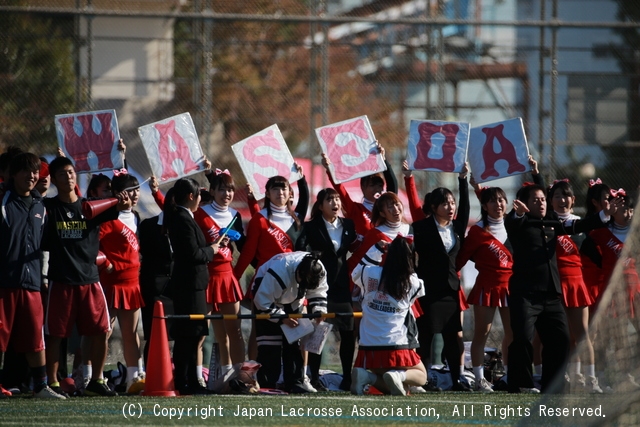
(442, 409)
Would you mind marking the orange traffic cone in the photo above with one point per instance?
(93, 208)
(159, 380)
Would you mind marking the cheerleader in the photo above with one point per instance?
(388, 334)
(489, 248)
(604, 247)
(120, 276)
(387, 216)
(575, 295)
(276, 227)
(437, 240)
(334, 237)
(372, 186)
(223, 292)
(598, 194)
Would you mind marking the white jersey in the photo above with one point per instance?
(387, 324)
(275, 286)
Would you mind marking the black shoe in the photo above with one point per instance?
(194, 391)
(99, 388)
(317, 384)
(345, 385)
(460, 386)
(431, 387)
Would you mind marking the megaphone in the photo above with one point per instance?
(93, 208)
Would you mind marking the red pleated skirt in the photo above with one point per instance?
(384, 359)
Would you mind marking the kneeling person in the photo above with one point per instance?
(280, 287)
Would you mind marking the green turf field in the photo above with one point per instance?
(442, 409)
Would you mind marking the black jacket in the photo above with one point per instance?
(535, 268)
(190, 253)
(315, 237)
(435, 265)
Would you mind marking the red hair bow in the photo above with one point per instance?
(122, 171)
(618, 193)
(596, 182)
(219, 171)
(528, 183)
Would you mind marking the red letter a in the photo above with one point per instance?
(426, 132)
(167, 156)
(507, 152)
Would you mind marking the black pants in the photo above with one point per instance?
(273, 348)
(545, 313)
(185, 350)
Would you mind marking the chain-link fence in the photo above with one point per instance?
(570, 69)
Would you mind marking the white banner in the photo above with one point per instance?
(437, 146)
(263, 155)
(172, 147)
(352, 149)
(90, 140)
(498, 150)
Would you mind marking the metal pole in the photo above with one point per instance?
(196, 32)
(77, 41)
(324, 70)
(440, 112)
(89, 101)
(207, 86)
(554, 89)
(541, 110)
(313, 74)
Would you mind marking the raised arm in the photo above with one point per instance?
(415, 204)
(464, 209)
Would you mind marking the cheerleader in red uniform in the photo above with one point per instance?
(276, 227)
(575, 295)
(273, 230)
(487, 246)
(388, 217)
(120, 275)
(224, 292)
(604, 246)
(372, 186)
(597, 195)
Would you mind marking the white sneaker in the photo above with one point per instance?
(416, 389)
(529, 390)
(359, 379)
(202, 382)
(592, 385)
(47, 393)
(483, 386)
(393, 380)
(308, 386)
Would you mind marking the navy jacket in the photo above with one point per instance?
(21, 231)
